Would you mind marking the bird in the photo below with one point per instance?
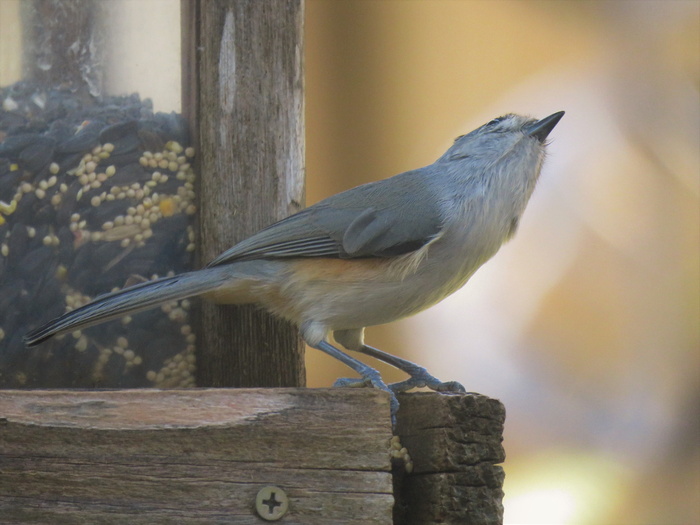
(369, 255)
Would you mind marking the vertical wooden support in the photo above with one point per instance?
(243, 79)
(455, 443)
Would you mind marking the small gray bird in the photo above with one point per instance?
(370, 255)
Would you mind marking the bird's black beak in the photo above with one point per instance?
(542, 128)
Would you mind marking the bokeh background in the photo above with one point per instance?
(587, 324)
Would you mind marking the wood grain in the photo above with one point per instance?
(247, 83)
(455, 442)
(201, 456)
(194, 456)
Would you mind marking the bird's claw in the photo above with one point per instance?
(451, 387)
(370, 381)
(444, 387)
(352, 382)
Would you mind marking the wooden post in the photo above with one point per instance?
(243, 79)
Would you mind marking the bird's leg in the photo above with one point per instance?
(420, 377)
(353, 339)
(369, 375)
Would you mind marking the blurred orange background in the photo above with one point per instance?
(587, 324)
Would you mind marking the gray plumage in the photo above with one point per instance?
(369, 220)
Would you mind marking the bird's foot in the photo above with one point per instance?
(351, 382)
(422, 379)
(371, 380)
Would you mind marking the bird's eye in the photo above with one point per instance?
(495, 121)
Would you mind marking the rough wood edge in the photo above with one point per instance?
(455, 443)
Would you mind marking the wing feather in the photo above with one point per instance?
(373, 220)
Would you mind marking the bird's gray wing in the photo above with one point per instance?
(295, 236)
(373, 220)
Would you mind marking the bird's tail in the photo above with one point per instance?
(129, 300)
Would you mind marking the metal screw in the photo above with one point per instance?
(271, 503)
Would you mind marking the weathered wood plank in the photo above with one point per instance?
(194, 456)
(200, 456)
(455, 442)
